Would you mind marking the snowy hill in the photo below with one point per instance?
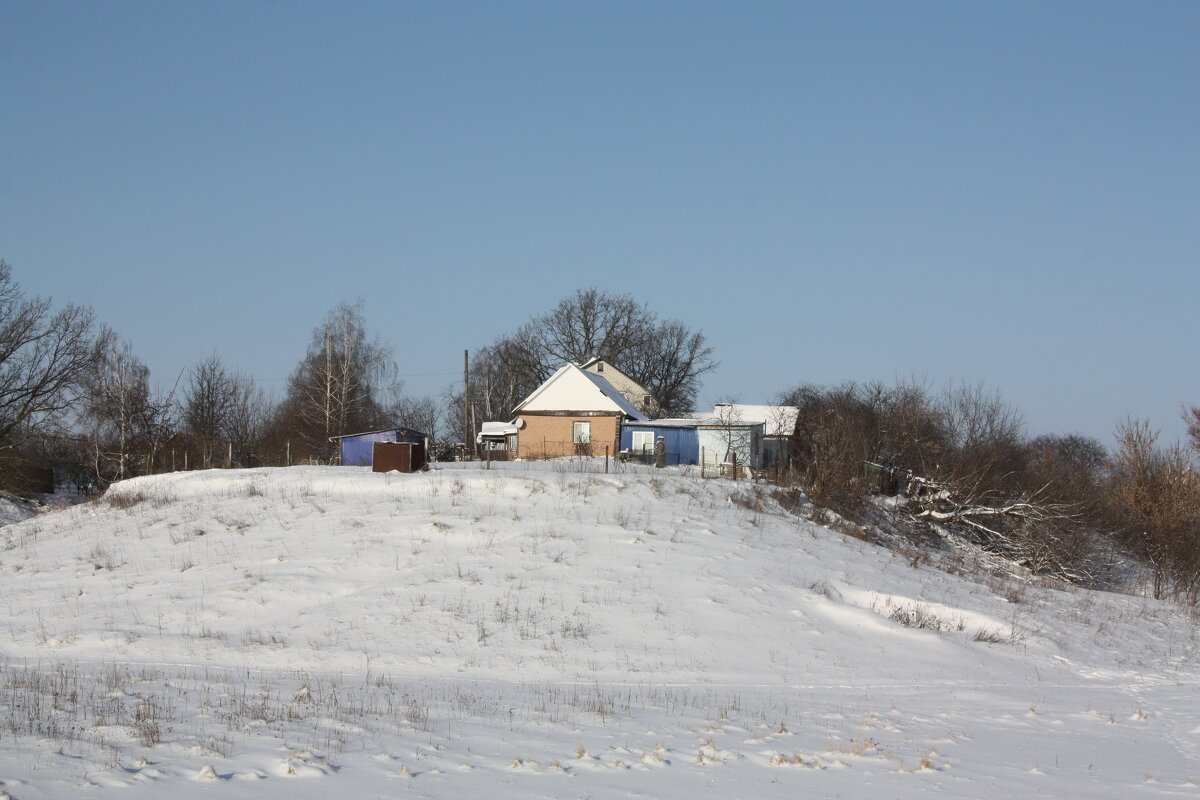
(550, 630)
(15, 509)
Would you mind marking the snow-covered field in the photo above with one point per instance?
(547, 630)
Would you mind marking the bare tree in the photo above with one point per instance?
(1191, 417)
(984, 437)
(127, 424)
(911, 434)
(336, 388)
(44, 357)
(664, 356)
(669, 363)
(982, 487)
(246, 420)
(207, 404)
(1155, 504)
(419, 414)
(833, 429)
(590, 323)
(501, 375)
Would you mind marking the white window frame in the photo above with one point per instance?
(581, 432)
(642, 442)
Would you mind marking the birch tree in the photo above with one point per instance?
(336, 387)
(126, 424)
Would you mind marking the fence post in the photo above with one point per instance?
(735, 465)
(701, 462)
(605, 459)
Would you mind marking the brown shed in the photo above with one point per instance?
(397, 456)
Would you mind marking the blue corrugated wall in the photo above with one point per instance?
(683, 445)
(356, 450)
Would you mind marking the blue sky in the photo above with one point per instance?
(996, 192)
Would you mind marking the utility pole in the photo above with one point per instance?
(466, 415)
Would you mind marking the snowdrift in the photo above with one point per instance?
(641, 632)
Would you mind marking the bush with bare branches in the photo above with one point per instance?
(1154, 503)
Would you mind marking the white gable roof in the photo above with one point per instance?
(572, 389)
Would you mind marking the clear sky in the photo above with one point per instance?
(968, 191)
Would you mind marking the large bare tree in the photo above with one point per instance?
(669, 364)
(44, 357)
(208, 401)
(336, 387)
(666, 356)
(247, 421)
(590, 323)
(126, 423)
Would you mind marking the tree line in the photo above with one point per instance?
(958, 460)
(75, 396)
(76, 399)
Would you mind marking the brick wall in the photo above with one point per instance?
(550, 436)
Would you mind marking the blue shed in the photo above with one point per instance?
(679, 436)
(356, 447)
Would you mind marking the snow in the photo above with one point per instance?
(15, 509)
(546, 629)
(496, 429)
(776, 420)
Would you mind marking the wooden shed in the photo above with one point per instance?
(397, 456)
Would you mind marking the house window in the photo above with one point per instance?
(581, 432)
(599, 366)
(647, 400)
(643, 442)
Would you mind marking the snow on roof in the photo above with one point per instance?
(670, 423)
(776, 420)
(572, 389)
(395, 429)
(497, 429)
(697, 420)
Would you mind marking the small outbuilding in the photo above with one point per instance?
(681, 441)
(715, 442)
(778, 429)
(357, 448)
(497, 441)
